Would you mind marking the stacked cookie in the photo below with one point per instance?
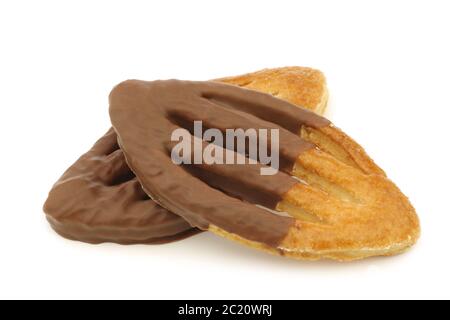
(327, 198)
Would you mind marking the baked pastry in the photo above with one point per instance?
(99, 199)
(301, 86)
(332, 200)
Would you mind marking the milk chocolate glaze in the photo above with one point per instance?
(99, 199)
(144, 114)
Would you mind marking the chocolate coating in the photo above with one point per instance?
(144, 114)
(99, 199)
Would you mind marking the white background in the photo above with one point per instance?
(387, 64)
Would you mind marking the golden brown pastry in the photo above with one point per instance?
(329, 199)
(302, 86)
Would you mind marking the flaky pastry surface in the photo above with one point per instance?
(338, 204)
(348, 210)
(302, 86)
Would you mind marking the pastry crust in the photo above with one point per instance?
(342, 206)
(347, 211)
(302, 86)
